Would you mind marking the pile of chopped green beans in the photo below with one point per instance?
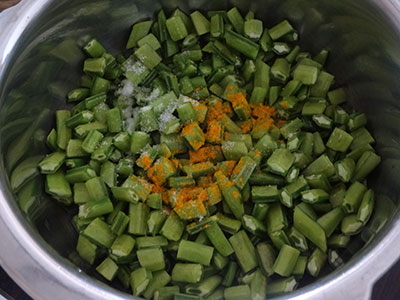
(123, 154)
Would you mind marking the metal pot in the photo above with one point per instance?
(39, 63)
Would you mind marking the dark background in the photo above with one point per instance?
(387, 287)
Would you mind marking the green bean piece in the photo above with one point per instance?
(63, 132)
(155, 201)
(217, 26)
(94, 48)
(339, 140)
(138, 185)
(91, 141)
(180, 296)
(189, 273)
(204, 288)
(99, 233)
(241, 44)
(261, 82)
(357, 121)
(82, 130)
(90, 103)
(322, 165)
(139, 30)
(193, 252)
(306, 74)
(108, 269)
(114, 120)
(297, 239)
(280, 30)
(365, 165)
(138, 213)
(80, 118)
(172, 228)
(236, 19)
(244, 250)
(51, 163)
(325, 122)
(138, 141)
(253, 29)
(51, 140)
(74, 149)
(166, 293)
(316, 262)
(160, 279)
(283, 285)
(57, 185)
(266, 255)
(314, 196)
(227, 224)
(230, 274)
(139, 280)
(238, 292)
(279, 238)
(292, 191)
(176, 28)
(309, 228)
(338, 241)
(151, 40)
(96, 188)
(86, 249)
(96, 66)
(81, 194)
(218, 239)
(258, 286)
(322, 85)
(253, 225)
(242, 171)
(353, 197)
(286, 260)
(122, 246)
(201, 24)
(234, 150)
(231, 195)
(151, 258)
(219, 261)
(300, 267)
(280, 161)
(276, 218)
(280, 70)
(125, 194)
(95, 208)
(155, 221)
(260, 211)
(351, 225)
(361, 137)
(120, 223)
(366, 207)
(331, 220)
(151, 241)
(337, 96)
(148, 56)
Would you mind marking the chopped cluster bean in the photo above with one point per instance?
(214, 159)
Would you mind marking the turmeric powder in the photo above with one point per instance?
(205, 138)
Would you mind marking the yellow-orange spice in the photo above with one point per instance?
(285, 105)
(190, 202)
(214, 132)
(204, 154)
(146, 161)
(246, 126)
